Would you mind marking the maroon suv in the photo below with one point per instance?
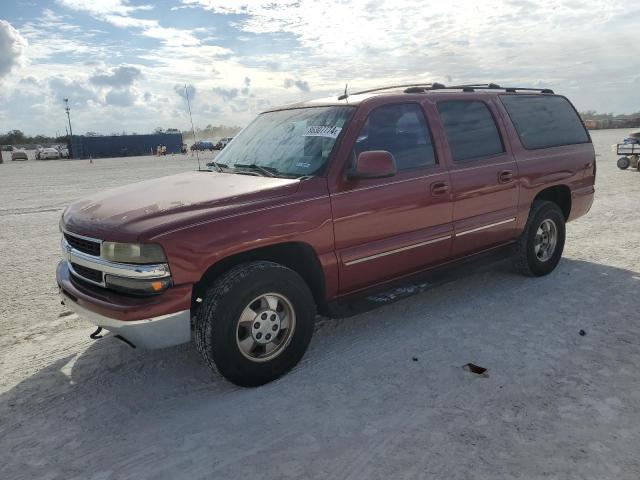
(314, 203)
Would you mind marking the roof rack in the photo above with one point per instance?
(424, 85)
(473, 88)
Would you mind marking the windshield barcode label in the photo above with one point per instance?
(322, 131)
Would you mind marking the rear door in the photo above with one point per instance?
(554, 148)
(388, 227)
(484, 175)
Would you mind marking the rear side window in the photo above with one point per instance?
(471, 130)
(400, 129)
(544, 121)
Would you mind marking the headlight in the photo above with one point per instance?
(133, 253)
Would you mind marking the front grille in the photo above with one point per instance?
(87, 273)
(82, 245)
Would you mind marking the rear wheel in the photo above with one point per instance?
(255, 323)
(540, 246)
(623, 163)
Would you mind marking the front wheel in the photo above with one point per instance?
(255, 323)
(540, 246)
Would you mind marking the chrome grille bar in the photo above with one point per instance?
(142, 272)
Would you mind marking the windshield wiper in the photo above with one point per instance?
(269, 171)
(218, 166)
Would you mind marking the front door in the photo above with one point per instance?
(484, 176)
(385, 228)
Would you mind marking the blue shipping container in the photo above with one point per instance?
(124, 145)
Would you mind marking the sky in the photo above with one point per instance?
(124, 64)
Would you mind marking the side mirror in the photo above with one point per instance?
(373, 164)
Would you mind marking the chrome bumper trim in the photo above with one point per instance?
(157, 332)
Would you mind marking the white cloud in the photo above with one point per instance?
(120, 98)
(51, 34)
(122, 76)
(226, 94)
(80, 94)
(119, 13)
(103, 7)
(12, 48)
(298, 49)
(301, 85)
(373, 42)
(180, 90)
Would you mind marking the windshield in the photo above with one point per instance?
(294, 142)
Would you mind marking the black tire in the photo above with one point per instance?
(216, 324)
(526, 261)
(623, 163)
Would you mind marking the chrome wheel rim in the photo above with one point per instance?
(544, 244)
(265, 327)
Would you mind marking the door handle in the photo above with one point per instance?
(505, 176)
(439, 188)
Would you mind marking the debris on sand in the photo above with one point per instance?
(478, 370)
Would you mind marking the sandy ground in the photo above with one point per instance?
(380, 395)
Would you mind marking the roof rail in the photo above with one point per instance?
(425, 85)
(515, 89)
(473, 87)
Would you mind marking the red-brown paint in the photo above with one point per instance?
(200, 218)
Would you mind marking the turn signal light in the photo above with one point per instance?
(136, 286)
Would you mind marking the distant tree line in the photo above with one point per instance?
(16, 137)
(210, 132)
(594, 119)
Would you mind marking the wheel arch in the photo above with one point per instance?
(298, 256)
(558, 194)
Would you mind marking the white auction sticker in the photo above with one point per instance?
(322, 131)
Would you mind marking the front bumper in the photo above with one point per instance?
(142, 321)
(156, 332)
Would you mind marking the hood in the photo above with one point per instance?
(145, 209)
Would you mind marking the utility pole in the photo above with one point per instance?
(67, 109)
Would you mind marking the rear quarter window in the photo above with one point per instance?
(471, 131)
(544, 121)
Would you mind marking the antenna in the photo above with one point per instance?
(345, 95)
(186, 93)
(67, 109)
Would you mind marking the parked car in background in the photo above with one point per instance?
(224, 141)
(17, 155)
(317, 203)
(63, 151)
(202, 145)
(48, 154)
(7, 148)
